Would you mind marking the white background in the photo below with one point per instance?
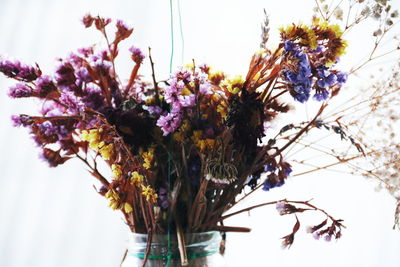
(53, 217)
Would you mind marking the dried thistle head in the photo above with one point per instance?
(221, 172)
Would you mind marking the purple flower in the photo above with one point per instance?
(286, 169)
(321, 95)
(187, 100)
(20, 120)
(65, 74)
(85, 51)
(45, 86)
(272, 181)
(341, 77)
(53, 158)
(269, 168)
(289, 46)
(15, 69)
(328, 238)
(137, 55)
(169, 123)
(73, 104)
(301, 77)
(153, 109)
(123, 30)
(20, 90)
(50, 108)
(316, 235)
(93, 98)
(301, 97)
(87, 20)
(280, 207)
(205, 89)
(83, 75)
(326, 78)
(163, 198)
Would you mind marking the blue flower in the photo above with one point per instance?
(289, 46)
(321, 95)
(325, 77)
(301, 78)
(269, 168)
(341, 78)
(272, 181)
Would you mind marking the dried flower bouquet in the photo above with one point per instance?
(182, 151)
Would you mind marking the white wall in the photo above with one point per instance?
(53, 217)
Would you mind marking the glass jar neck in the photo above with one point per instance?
(165, 247)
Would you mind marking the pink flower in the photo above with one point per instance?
(280, 207)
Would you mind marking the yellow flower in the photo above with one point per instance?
(216, 76)
(112, 194)
(127, 207)
(148, 158)
(234, 85)
(106, 151)
(136, 178)
(186, 91)
(221, 109)
(113, 204)
(202, 144)
(205, 143)
(196, 136)
(113, 197)
(189, 66)
(149, 193)
(93, 136)
(116, 170)
(177, 136)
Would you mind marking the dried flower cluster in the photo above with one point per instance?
(182, 151)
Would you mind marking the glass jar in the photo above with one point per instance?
(202, 250)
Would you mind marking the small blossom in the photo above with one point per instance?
(65, 74)
(113, 197)
(321, 95)
(137, 55)
(53, 158)
(326, 78)
(20, 90)
(116, 170)
(327, 237)
(20, 120)
(123, 30)
(18, 70)
(280, 207)
(149, 193)
(136, 178)
(316, 235)
(45, 86)
(272, 181)
(106, 151)
(87, 20)
(169, 123)
(127, 207)
(163, 198)
(148, 158)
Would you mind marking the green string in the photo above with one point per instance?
(169, 253)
